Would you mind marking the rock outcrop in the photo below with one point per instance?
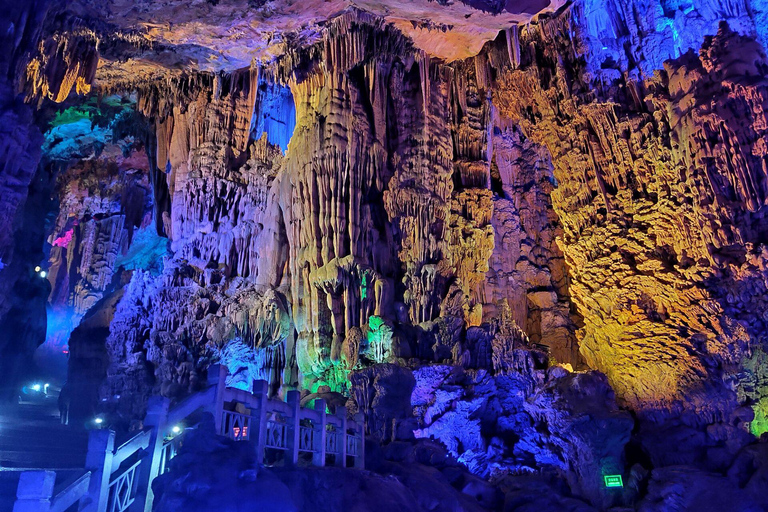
(22, 303)
(525, 421)
(659, 207)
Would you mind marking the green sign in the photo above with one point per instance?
(613, 481)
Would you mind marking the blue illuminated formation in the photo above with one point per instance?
(638, 36)
(275, 114)
(145, 252)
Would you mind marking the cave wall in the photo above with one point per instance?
(590, 185)
(660, 197)
(22, 294)
(634, 200)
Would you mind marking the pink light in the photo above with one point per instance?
(64, 239)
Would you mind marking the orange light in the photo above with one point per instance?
(236, 431)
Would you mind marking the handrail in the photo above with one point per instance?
(281, 426)
(272, 423)
(121, 489)
(71, 494)
(190, 405)
(124, 474)
(310, 414)
(138, 442)
(277, 406)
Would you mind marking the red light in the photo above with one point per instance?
(236, 431)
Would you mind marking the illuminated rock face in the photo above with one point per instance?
(661, 206)
(356, 211)
(525, 418)
(22, 312)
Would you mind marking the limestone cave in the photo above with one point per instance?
(384, 255)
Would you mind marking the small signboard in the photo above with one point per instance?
(613, 481)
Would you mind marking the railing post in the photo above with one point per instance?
(217, 376)
(318, 458)
(360, 438)
(157, 416)
(98, 460)
(34, 491)
(294, 400)
(260, 388)
(341, 457)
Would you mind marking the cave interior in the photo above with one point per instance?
(452, 255)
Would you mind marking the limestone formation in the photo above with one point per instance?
(527, 241)
(648, 203)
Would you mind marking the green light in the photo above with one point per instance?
(759, 425)
(613, 481)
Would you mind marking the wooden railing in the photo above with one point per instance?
(120, 479)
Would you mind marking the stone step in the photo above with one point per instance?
(31, 436)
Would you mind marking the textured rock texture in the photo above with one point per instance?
(363, 236)
(22, 305)
(228, 35)
(525, 420)
(452, 218)
(660, 217)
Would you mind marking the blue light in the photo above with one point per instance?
(659, 29)
(275, 114)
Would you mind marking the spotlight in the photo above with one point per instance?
(35, 387)
(98, 420)
(176, 429)
(42, 274)
(37, 268)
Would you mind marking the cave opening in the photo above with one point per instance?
(274, 114)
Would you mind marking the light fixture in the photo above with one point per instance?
(37, 268)
(98, 420)
(42, 274)
(35, 387)
(176, 429)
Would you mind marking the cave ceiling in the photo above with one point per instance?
(144, 39)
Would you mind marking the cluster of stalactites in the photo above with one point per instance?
(63, 62)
